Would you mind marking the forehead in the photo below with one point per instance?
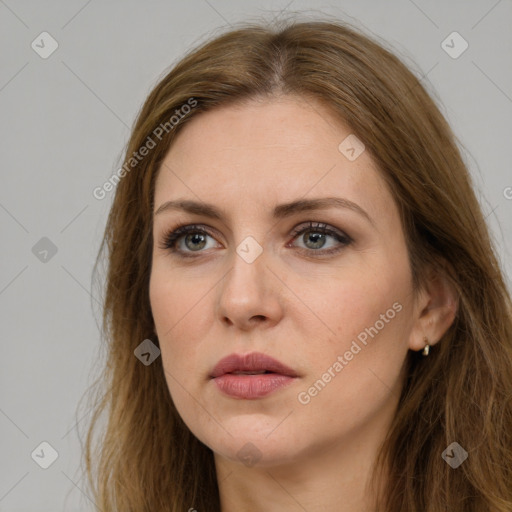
(265, 152)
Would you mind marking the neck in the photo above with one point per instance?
(330, 477)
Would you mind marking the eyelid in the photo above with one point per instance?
(340, 236)
(180, 231)
(321, 226)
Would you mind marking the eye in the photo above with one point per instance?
(314, 236)
(193, 236)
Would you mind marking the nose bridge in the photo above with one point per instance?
(246, 280)
(247, 290)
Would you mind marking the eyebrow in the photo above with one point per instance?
(280, 211)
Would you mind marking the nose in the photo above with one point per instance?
(250, 294)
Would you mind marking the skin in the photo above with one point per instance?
(291, 303)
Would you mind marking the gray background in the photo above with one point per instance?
(64, 123)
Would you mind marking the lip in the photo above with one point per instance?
(254, 361)
(251, 386)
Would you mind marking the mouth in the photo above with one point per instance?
(251, 376)
(254, 363)
(250, 373)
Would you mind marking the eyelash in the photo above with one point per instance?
(171, 237)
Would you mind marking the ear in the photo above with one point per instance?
(434, 311)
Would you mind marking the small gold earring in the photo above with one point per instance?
(426, 348)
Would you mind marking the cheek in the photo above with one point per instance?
(180, 316)
(356, 366)
(175, 300)
(365, 315)
(356, 300)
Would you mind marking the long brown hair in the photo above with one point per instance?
(146, 458)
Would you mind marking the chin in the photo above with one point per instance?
(252, 443)
(258, 453)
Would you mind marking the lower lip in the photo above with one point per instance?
(251, 386)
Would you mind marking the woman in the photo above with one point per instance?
(303, 307)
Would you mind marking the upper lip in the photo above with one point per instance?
(254, 361)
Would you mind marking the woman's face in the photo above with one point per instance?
(334, 307)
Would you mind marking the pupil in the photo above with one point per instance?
(317, 238)
(196, 238)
